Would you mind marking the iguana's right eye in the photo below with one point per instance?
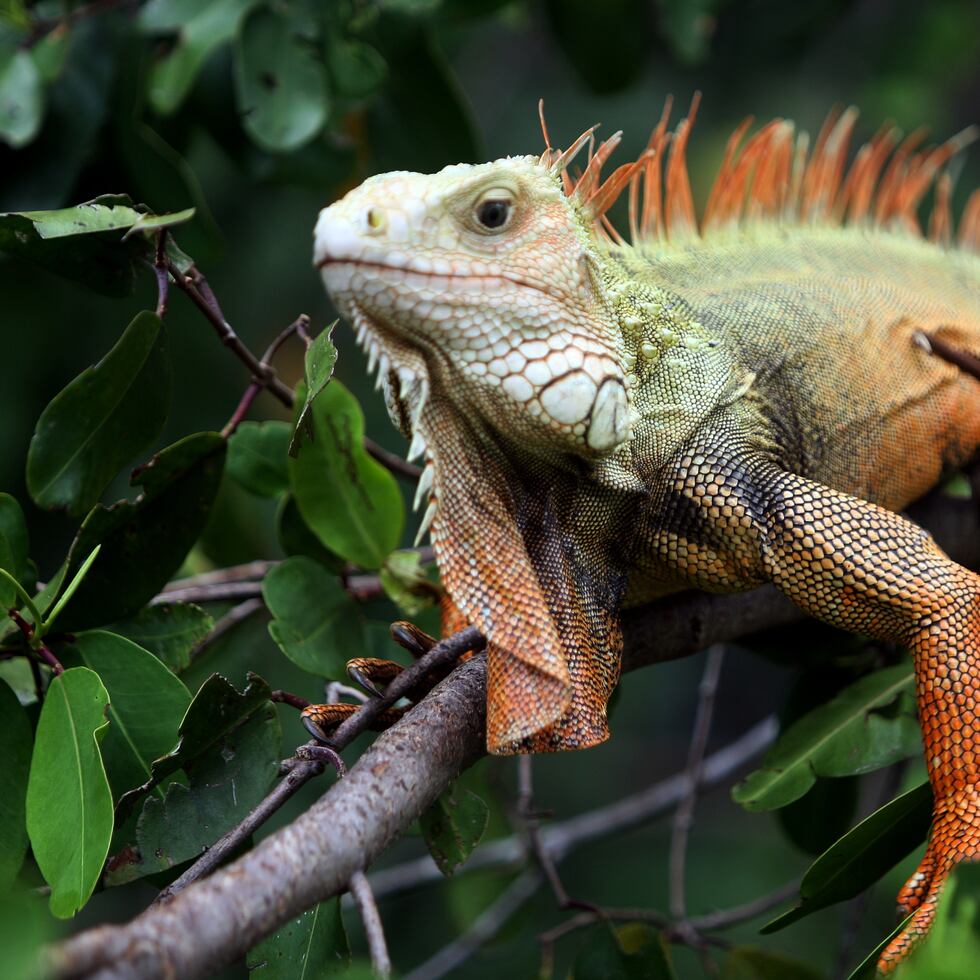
(494, 209)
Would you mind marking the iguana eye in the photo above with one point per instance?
(494, 209)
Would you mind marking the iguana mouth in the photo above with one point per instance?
(489, 280)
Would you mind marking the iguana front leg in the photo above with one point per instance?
(868, 570)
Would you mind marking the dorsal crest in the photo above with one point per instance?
(775, 176)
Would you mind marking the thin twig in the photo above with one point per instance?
(226, 845)
(373, 929)
(392, 461)
(532, 829)
(41, 649)
(265, 364)
(737, 914)
(219, 592)
(443, 652)
(483, 929)
(236, 615)
(160, 271)
(684, 815)
(293, 700)
(247, 572)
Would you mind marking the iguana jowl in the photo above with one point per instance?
(717, 404)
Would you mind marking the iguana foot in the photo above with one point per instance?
(321, 720)
(955, 838)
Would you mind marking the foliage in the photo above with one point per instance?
(137, 713)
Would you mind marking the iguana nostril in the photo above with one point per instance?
(374, 218)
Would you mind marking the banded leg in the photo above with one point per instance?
(866, 569)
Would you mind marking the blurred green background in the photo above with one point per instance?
(258, 114)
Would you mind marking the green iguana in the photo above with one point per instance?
(715, 404)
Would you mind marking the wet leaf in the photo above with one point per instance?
(257, 457)
(230, 760)
(16, 741)
(69, 803)
(315, 622)
(144, 542)
(86, 243)
(169, 630)
(146, 704)
(453, 826)
(318, 365)
(101, 420)
(349, 501)
(310, 947)
(216, 710)
(848, 735)
(282, 86)
(863, 855)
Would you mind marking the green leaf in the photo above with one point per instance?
(350, 501)
(356, 69)
(13, 550)
(312, 947)
(404, 580)
(315, 622)
(862, 855)
(296, 538)
(69, 804)
(318, 365)
(215, 712)
(257, 457)
(453, 826)
(752, 963)
(282, 87)
(110, 212)
(846, 736)
(70, 589)
(202, 28)
(229, 767)
(634, 951)
(144, 542)
(146, 705)
(83, 243)
(16, 741)
(169, 630)
(101, 420)
(21, 97)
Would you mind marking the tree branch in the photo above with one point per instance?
(215, 920)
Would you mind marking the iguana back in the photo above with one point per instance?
(825, 319)
(723, 402)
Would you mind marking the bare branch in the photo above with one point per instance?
(215, 921)
(248, 572)
(373, 929)
(684, 814)
(219, 592)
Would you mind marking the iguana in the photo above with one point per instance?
(713, 404)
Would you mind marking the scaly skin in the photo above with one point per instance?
(716, 410)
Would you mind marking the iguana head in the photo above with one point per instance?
(482, 281)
